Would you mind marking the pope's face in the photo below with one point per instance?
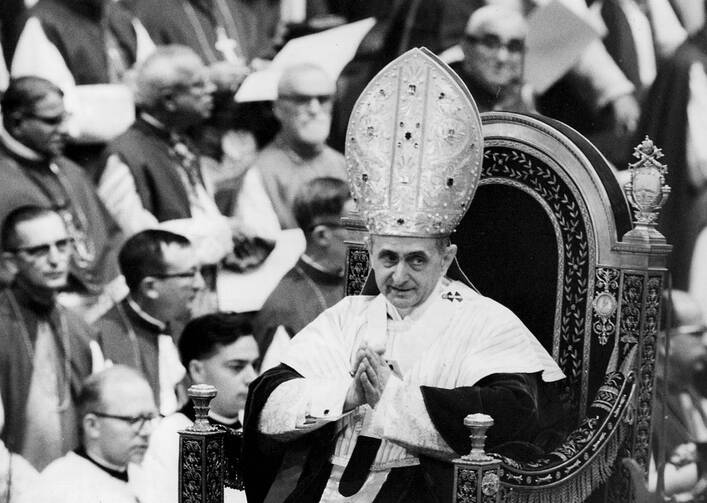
(407, 269)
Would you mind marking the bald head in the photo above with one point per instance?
(116, 407)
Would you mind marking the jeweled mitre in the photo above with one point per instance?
(414, 148)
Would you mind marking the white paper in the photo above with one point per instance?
(104, 111)
(557, 36)
(331, 49)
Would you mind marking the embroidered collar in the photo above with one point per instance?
(17, 148)
(149, 319)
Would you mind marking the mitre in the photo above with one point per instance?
(414, 148)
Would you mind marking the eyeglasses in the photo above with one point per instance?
(50, 121)
(301, 100)
(190, 274)
(494, 43)
(43, 250)
(137, 423)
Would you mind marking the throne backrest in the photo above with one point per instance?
(545, 236)
(541, 238)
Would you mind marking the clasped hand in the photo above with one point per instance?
(370, 375)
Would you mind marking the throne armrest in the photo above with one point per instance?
(569, 473)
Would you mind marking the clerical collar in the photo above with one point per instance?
(233, 422)
(17, 148)
(420, 310)
(320, 268)
(118, 472)
(159, 325)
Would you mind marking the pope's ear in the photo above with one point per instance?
(449, 255)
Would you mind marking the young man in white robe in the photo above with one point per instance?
(377, 386)
(217, 349)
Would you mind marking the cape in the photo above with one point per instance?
(77, 30)
(28, 182)
(283, 172)
(145, 149)
(16, 365)
(296, 301)
(194, 23)
(113, 329)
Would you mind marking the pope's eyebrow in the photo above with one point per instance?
(387, 254)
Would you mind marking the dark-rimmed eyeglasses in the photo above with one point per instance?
(494, 43)
(43, 250)
(190, 274)
(137, 423)
(306, 99)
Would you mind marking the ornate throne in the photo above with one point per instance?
(551, 234)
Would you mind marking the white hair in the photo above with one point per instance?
(166, 68)
(488, 13)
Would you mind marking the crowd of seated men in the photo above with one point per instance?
(156, 234)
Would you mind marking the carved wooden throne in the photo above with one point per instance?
(551, 234)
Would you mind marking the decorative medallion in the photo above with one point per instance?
(489, 484)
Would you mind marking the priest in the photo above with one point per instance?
(369, 400)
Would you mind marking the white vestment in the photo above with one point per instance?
(74, 479)
(455, 338)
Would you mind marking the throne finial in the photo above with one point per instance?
(201, 395)
(646, 190)
(478, 424)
